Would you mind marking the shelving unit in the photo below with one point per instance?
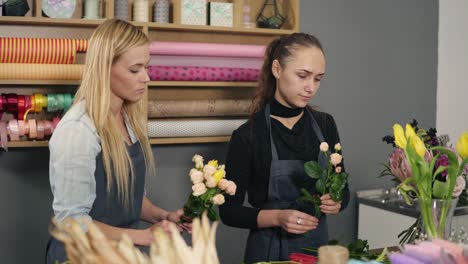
(35, 25)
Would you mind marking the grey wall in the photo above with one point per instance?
(381, 68)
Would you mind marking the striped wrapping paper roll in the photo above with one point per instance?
(205, 61)
(18, 71)
(206, 49)
(174, 73)
(195, 108)
(192, 128)
(40, 50)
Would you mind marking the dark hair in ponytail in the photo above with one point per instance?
(279, 49)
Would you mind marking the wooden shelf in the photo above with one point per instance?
(28, 144)
(153, 141)
(13, 20)
(202, 84)
(40, 82)
(189, 140)
(227, 30)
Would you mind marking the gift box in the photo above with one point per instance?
(221, 14)
(193, 12)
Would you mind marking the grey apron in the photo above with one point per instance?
(107, 207)
(287, 177)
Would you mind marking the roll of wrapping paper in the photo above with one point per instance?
(162, 73)
(3, 135)
(206, 49)
(40, 71)
(193, 128)
(203, 61)
(194, 108)
(39, 50)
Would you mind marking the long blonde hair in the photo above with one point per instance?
(108, 42)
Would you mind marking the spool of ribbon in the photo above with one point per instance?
(40, 101)
(140, 11)
(32, 128)
(21, 128)
(55, 122)
(48, 128)
(3, 135)
(91, 9)
(12, 103)
(68, 101)
(21, 106)
(40, 129)
(121, 9)
(12, 129)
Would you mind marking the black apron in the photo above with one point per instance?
(287, 177)
(107, 207)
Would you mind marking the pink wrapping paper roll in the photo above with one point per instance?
(207, 49)
(17, 71)
(162, 73)
(201, 61)
(40, 50)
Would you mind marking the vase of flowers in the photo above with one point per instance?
(208, 188)
(434, 175)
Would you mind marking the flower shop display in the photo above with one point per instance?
(93, 247)
(331, 179)
(208, 188)
(426, 169)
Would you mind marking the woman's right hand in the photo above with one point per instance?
(296, 222)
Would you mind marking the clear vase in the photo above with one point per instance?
(437, 217)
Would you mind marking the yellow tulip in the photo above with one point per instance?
(213, 163)
(218, 175)
(399, 135)
(409, 131)
(462, 145)
(418, 145)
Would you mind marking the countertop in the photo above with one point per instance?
(391, 200)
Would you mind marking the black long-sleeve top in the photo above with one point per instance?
(249, 157)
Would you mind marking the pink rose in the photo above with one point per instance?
(324, 146)
(231, 189)
(210, 182)
(208, 171)
(223, 184)
(459, 186)
(338, 169)
(337, 146)
(218, 199)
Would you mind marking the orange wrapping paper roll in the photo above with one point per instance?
(40, 50)
(18, 71)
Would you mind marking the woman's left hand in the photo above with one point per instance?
(176, 217)
(328, 205)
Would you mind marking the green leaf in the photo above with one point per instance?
(313, 169)
(440, 189)
(320, 186)
(212, 215)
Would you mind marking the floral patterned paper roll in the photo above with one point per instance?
(174, 73)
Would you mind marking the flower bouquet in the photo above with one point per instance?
(430, 171)
(331, 179)
(208, 188)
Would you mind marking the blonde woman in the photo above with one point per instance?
(100, 153)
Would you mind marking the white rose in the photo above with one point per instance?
(218, 199)
(231, 189)
(210, 182)
(198, 160)
(223, 184)
(196, 176)
(198, 189)
(221, 167)
(324, 146)
(337, 146)
(208, 171)
(335, 158)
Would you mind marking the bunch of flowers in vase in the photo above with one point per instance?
(208, 188)
(425, 168)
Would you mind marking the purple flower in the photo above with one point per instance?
(442, 160)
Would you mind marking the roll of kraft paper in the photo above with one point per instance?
(40, 50)
(40, 71)
(195, 108)
(192, 128)
(207, 49)
(163, 73)
(202, 61)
